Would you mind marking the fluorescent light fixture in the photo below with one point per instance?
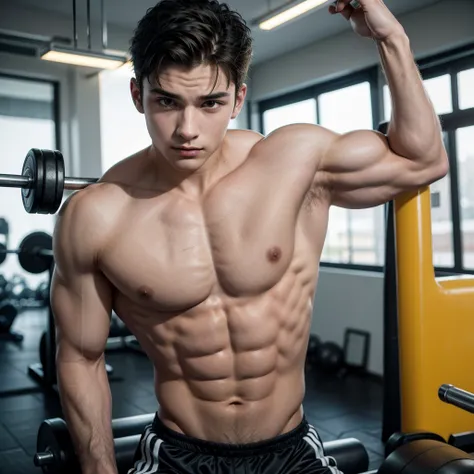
(278, 17)
(78, 57)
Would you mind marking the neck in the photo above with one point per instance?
(194, 183)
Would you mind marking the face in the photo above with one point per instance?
(186, 116)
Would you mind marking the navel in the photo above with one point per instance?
(145, 292)
(274, 254)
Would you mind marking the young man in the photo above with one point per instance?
(207, 245)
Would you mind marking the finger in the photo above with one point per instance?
(345, 10)
(340, 4)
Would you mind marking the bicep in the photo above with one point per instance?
(361, 170)
(81, 297)
(81, 304)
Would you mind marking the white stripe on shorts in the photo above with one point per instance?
(313, 439)
(149, 461)
(153, 463)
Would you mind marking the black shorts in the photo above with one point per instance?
(162, 450)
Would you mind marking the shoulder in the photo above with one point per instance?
(89, 212)
(303, 144)
(129, 171)
(243, 139)
(302, 134)
(88, 217)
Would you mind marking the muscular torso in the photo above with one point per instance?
(219, 292)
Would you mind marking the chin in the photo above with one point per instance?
(188, 164)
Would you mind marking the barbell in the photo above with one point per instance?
(34, 252)
(42, 181)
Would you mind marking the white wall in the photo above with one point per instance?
(350, 299)
(347, 298)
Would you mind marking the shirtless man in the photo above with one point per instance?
(207, 245)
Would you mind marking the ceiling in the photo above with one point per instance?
(309, 29)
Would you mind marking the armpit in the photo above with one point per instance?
(317, 193)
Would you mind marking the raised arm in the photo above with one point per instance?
(81, 302)
(365, 168)
(361, 169)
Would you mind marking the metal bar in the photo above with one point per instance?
(78, 183)
(104, 25)
(457, 397)
(74, 20)
(17, 181)
(14, 181)
(45, 253)
(89, 23)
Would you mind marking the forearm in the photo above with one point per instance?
(86, 401)
(414, 131)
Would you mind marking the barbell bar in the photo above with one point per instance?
(17, 181)
(42, 181)
(36, 251)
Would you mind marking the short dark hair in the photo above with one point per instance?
(190, 33)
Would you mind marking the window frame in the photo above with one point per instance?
(451, 62)
(56, 100)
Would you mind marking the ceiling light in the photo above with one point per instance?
(287, 13)
(103, 59)
(85, 58)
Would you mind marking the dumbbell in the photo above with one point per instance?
(55, 452)
(42, 181)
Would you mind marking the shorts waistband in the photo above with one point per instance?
(189, 443)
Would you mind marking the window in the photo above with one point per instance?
(353, 236)
(466, 89)
(439, 91)
(27, 120)
(465, 160)
(299, 112)
(347, 109)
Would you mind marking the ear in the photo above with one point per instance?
(136, 95)
(239, 103)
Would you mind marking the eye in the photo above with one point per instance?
(212, 104)
(165, 102)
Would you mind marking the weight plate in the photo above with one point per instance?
(59, 181)
(3, 255)
(48, 200)
(28, 252)
(52, 437)
(33, 168)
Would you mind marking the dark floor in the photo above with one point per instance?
(338, 408)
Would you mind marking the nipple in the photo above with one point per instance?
(274, 254)
(145, 292)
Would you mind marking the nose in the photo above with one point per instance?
(187, 128)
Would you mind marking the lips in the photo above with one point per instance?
(188, 152)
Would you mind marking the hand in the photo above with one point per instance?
(370, 18)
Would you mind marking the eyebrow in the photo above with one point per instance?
(216, 95)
